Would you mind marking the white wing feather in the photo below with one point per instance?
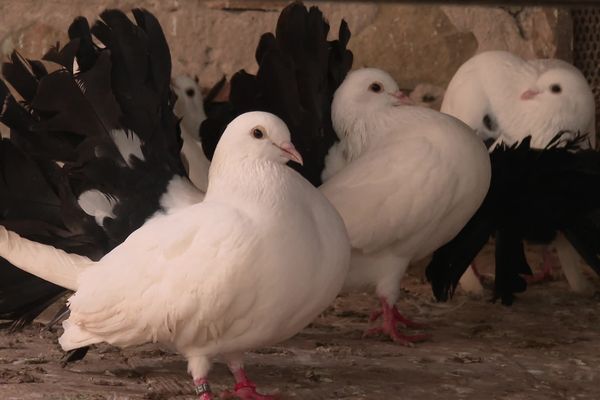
(161, 302)
(414, 172)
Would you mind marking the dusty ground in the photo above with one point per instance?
(545, 347)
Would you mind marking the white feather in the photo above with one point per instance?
(334, 161)
(415, 178)
(47, 262)
(251, 265)
(97, 204)
(76, 69)
(180, 193)
(190, 108)
(196, 163)
(492, 83)
(128, 144)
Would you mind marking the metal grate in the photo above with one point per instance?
(586, 50)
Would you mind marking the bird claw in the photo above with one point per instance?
(406, 322)
(389, 326)
(405, 340)
(246, 391)
(375, 316)
(409, 323)
(544, 276)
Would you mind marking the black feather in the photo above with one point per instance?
(299, 71)
(534, 193)
(87, 53)
(214, 91)
(70, 118)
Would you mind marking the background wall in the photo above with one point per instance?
(422, 46)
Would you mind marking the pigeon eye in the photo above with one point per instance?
(258, 133)
(555, 88)
(428, 98)
(190, 92)
(376, 87)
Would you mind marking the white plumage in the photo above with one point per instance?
(190, 107)
(501, 96)
(413, 179)
(251, 265)
(506, 98)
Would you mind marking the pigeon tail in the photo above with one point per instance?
(75, 337)
(46, 262)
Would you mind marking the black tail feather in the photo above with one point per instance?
(534, 193)
(69, 116)
(299, 71)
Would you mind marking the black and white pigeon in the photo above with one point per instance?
(94, 149)
(534, 193)
(408, 179)
(505, 99)
(298, 73)
(250, 266)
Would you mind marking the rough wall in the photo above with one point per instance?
(417, 44)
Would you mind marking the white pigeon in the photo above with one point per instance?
(250, 266)
(412, 179)
(501, 96)
(190, 107)
(506, 98)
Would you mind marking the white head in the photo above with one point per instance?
(364, 92)
(360, 103)
(189, 105)
(256, 136)
(561, 93)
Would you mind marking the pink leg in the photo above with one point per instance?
(202, 389)
(244, 388)
(406, 322)
(547, 266)
(391, 318)
(476, 271)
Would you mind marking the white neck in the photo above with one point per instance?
(246, 179)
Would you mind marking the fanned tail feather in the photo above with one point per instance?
(299, 71)
(100, 119)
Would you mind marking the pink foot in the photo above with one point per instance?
(246, 391)
(244, 388)
(546, 274)
(406, 322)
(476, 271)
(391, 318)
(202, 389)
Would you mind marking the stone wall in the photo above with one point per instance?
(421, 45)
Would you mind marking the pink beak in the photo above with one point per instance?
(291, 152)
(529, 94)
(402, 98)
